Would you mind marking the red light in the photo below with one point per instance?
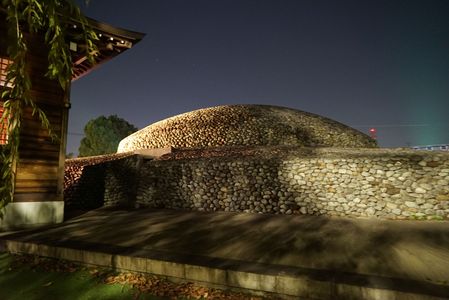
(373, 133)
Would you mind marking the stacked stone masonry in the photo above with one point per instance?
(395, 184)
(245, 125)
(264, 159)
(85, 178)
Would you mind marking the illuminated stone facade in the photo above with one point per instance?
(242, 125)
(381, 183)
(393, 184)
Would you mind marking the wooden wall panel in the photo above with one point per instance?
(38, 170)
(48, 190)
(39, 165)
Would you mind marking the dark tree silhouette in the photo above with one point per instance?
(103, 134)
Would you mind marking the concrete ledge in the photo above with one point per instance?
(152, 153)
(31, 214)
(202, 274)
(251, 278)
(121, 262)
(305, 287)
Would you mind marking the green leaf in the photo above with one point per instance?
(50, 17)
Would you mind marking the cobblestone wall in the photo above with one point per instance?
(398, 184)
(245, 125)
(84, 181)
(121, 181)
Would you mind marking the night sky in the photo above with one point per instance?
(382, 64)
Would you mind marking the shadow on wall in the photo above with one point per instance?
(251, 185)
(391, 184)
(84, 187)
(93, 182)
(121, 181)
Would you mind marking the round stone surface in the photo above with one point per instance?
(245, 125)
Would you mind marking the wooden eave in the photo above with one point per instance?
(112, 41)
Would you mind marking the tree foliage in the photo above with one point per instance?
(51, 19)
(103, 134)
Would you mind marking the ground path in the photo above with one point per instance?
(307, 256)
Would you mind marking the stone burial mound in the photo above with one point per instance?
(246, 125)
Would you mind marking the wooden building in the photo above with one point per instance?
(38, 194)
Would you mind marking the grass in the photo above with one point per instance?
(22, 280)
(37, 278)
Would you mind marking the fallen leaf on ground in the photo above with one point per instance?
(143, 283)
(48, 283)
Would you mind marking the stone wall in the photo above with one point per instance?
(397, 184)
(84, 181)
(121, 181)
(245, 125)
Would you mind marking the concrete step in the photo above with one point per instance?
(165, 244)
